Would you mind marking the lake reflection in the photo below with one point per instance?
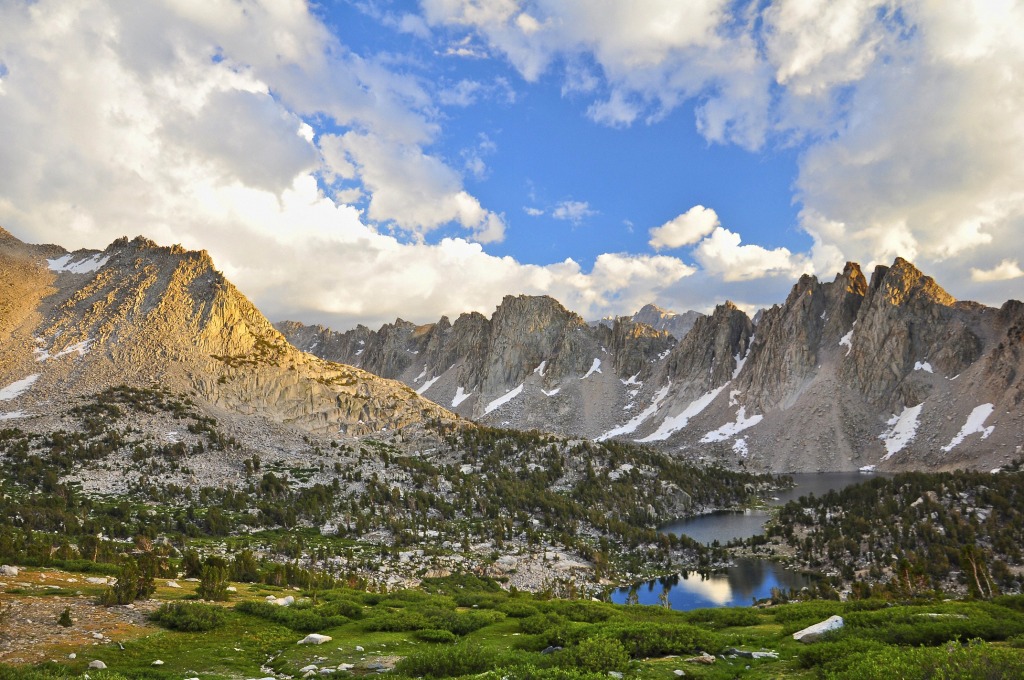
(736, 586)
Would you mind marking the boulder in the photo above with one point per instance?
(315, 639)
(815, 632)
(97, 665)
(7, 570)
(704, 658)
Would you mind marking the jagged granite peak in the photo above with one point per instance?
(636, 347)
(711, 352)
(791, 337)
(677, 324)
(141, 314)
(907, 319)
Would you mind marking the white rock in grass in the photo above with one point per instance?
(173, 584)
(97, 664)
(814, 633)
(231, 589)
(310, 667)
(359, 649)
(315, 639)
(158, 662)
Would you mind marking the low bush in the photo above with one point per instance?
(446, 661)
(658, 639)
(526, 671)
(933, 625)
(188, 617)
(583, 612)
(595, 655)
(952, 661)
(723, 617)
(827, 653)
(436, 635)
(518, 610)
(299, 620)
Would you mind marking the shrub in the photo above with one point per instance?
(213, 584)
(584, 612)
(723, 617)
(132, 584)
(596, 655)
(446, 661)
(436, 635)
(829, 653)
(65, 618)
(532, 672)
(299, 620)
(398, 621)
(933, 625)
(953, 661)
(188, 617)
(518, 610)
(658, 639)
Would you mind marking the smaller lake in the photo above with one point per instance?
(737, 586)
(726, 525)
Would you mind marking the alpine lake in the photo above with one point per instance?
(749, 579)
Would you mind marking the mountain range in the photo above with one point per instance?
(886, 372)
(889, 372)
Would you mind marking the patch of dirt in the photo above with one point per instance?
(29, 632)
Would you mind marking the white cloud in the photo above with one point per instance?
(1004, 271)
(572, 211)
(685, 229)
(533, 212)
(722, 254)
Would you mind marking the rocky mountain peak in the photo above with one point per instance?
(141, 314)
(903, 283)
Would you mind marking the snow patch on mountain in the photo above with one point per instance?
(594, 368)
(427, 385)
(675, 423)
(740, 446)
(540, 369)
(86, 265)
(12, 415)
(503, 399)
(638, 420)
(729, 430)
(847, 340)
(923, 366)
(551, 393)
(974, 425)
(18, 387)
(461, 395)
(902, 429)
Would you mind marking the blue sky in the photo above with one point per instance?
(351, 162)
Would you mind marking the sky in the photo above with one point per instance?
(354, 162)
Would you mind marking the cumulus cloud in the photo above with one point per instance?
(723, 255)
(572, 211)
(685, 229)
(1004, 271)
